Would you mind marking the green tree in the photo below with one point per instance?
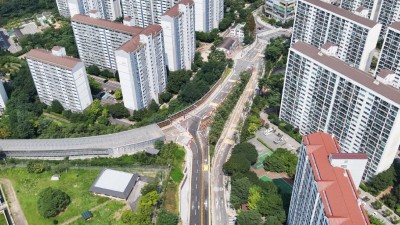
(93, 70)
(118, 94)
(282, 160)
(36, 167)
(251, 217)
(254, 197)
(51, 202)
(382, 181)
(118, 110)
(165, 97)
(56, 107)
(95, 87)
(167, 218)
(236, 164)
(240, 191)
(177, 79)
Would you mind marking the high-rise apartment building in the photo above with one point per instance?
(208, 14)
(371, 6)
(142, 69)
(97, 39)
(179, 35)
(382, 11)
(146, 12)
(325, 191)
(3, 98)
(318, 22)
(59, 77)
(63, 8)
(322, 93)
(389, 58)
(107, 9)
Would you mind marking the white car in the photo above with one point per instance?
(375, 213)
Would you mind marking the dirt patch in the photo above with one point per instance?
(171, 198)
(205, 50)
(261, 172)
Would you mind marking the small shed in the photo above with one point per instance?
(87, 215)
(228, 44)
(55, 177)
(152, 151)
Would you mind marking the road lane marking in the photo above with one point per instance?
(205, 168)
(214, 104)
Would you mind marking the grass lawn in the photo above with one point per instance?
(3, 220)
(171, 198)
(107, 215)
(75, 183)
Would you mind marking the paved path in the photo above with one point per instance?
(92, 209)
(12, 200)
(368, 207)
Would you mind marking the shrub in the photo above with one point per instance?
(37, 167)
(51, 202)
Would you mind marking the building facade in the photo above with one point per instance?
(142, 69)
(107, 9)
(63, 8)
(322, 93)
(3, 98)
(208, 14)
(318, 22)
(389, 58)
(97, 39)
(282, 10)
(324, 192)
(59, 77)
(372, 7)
(146, 12)
(179, 35)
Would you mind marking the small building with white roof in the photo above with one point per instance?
(114, 183)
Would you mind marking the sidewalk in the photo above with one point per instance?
(370, 210)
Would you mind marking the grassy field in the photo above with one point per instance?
(3, 220)
(107, 215)
(75, 183)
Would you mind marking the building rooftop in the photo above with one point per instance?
(335, 185)
(106, 24)
(341, 12)
(114, 183)
(108, 141)
(358, 76)
(395, 25)
(385, 72)
(132, 45)
(227, 43)
(153, 29)
(187, 2)
(173, 12)
(45, 56)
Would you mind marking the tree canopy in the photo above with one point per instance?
(51, 202)
(282, 160)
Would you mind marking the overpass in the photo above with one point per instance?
(126, 142)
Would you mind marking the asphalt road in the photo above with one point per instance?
(220, 201)
(109, 85)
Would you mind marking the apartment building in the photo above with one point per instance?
(179, 35)
(389, 59)
(322, 93)
(318, 22)
(282, 10)
(372, 7)
(3, 98)
(62, 6)
(107, 9)
(325, 191)
(389, 12)
(146, 12)
(59, 77)
(142, 69)
(208, 14)
(97, 39)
